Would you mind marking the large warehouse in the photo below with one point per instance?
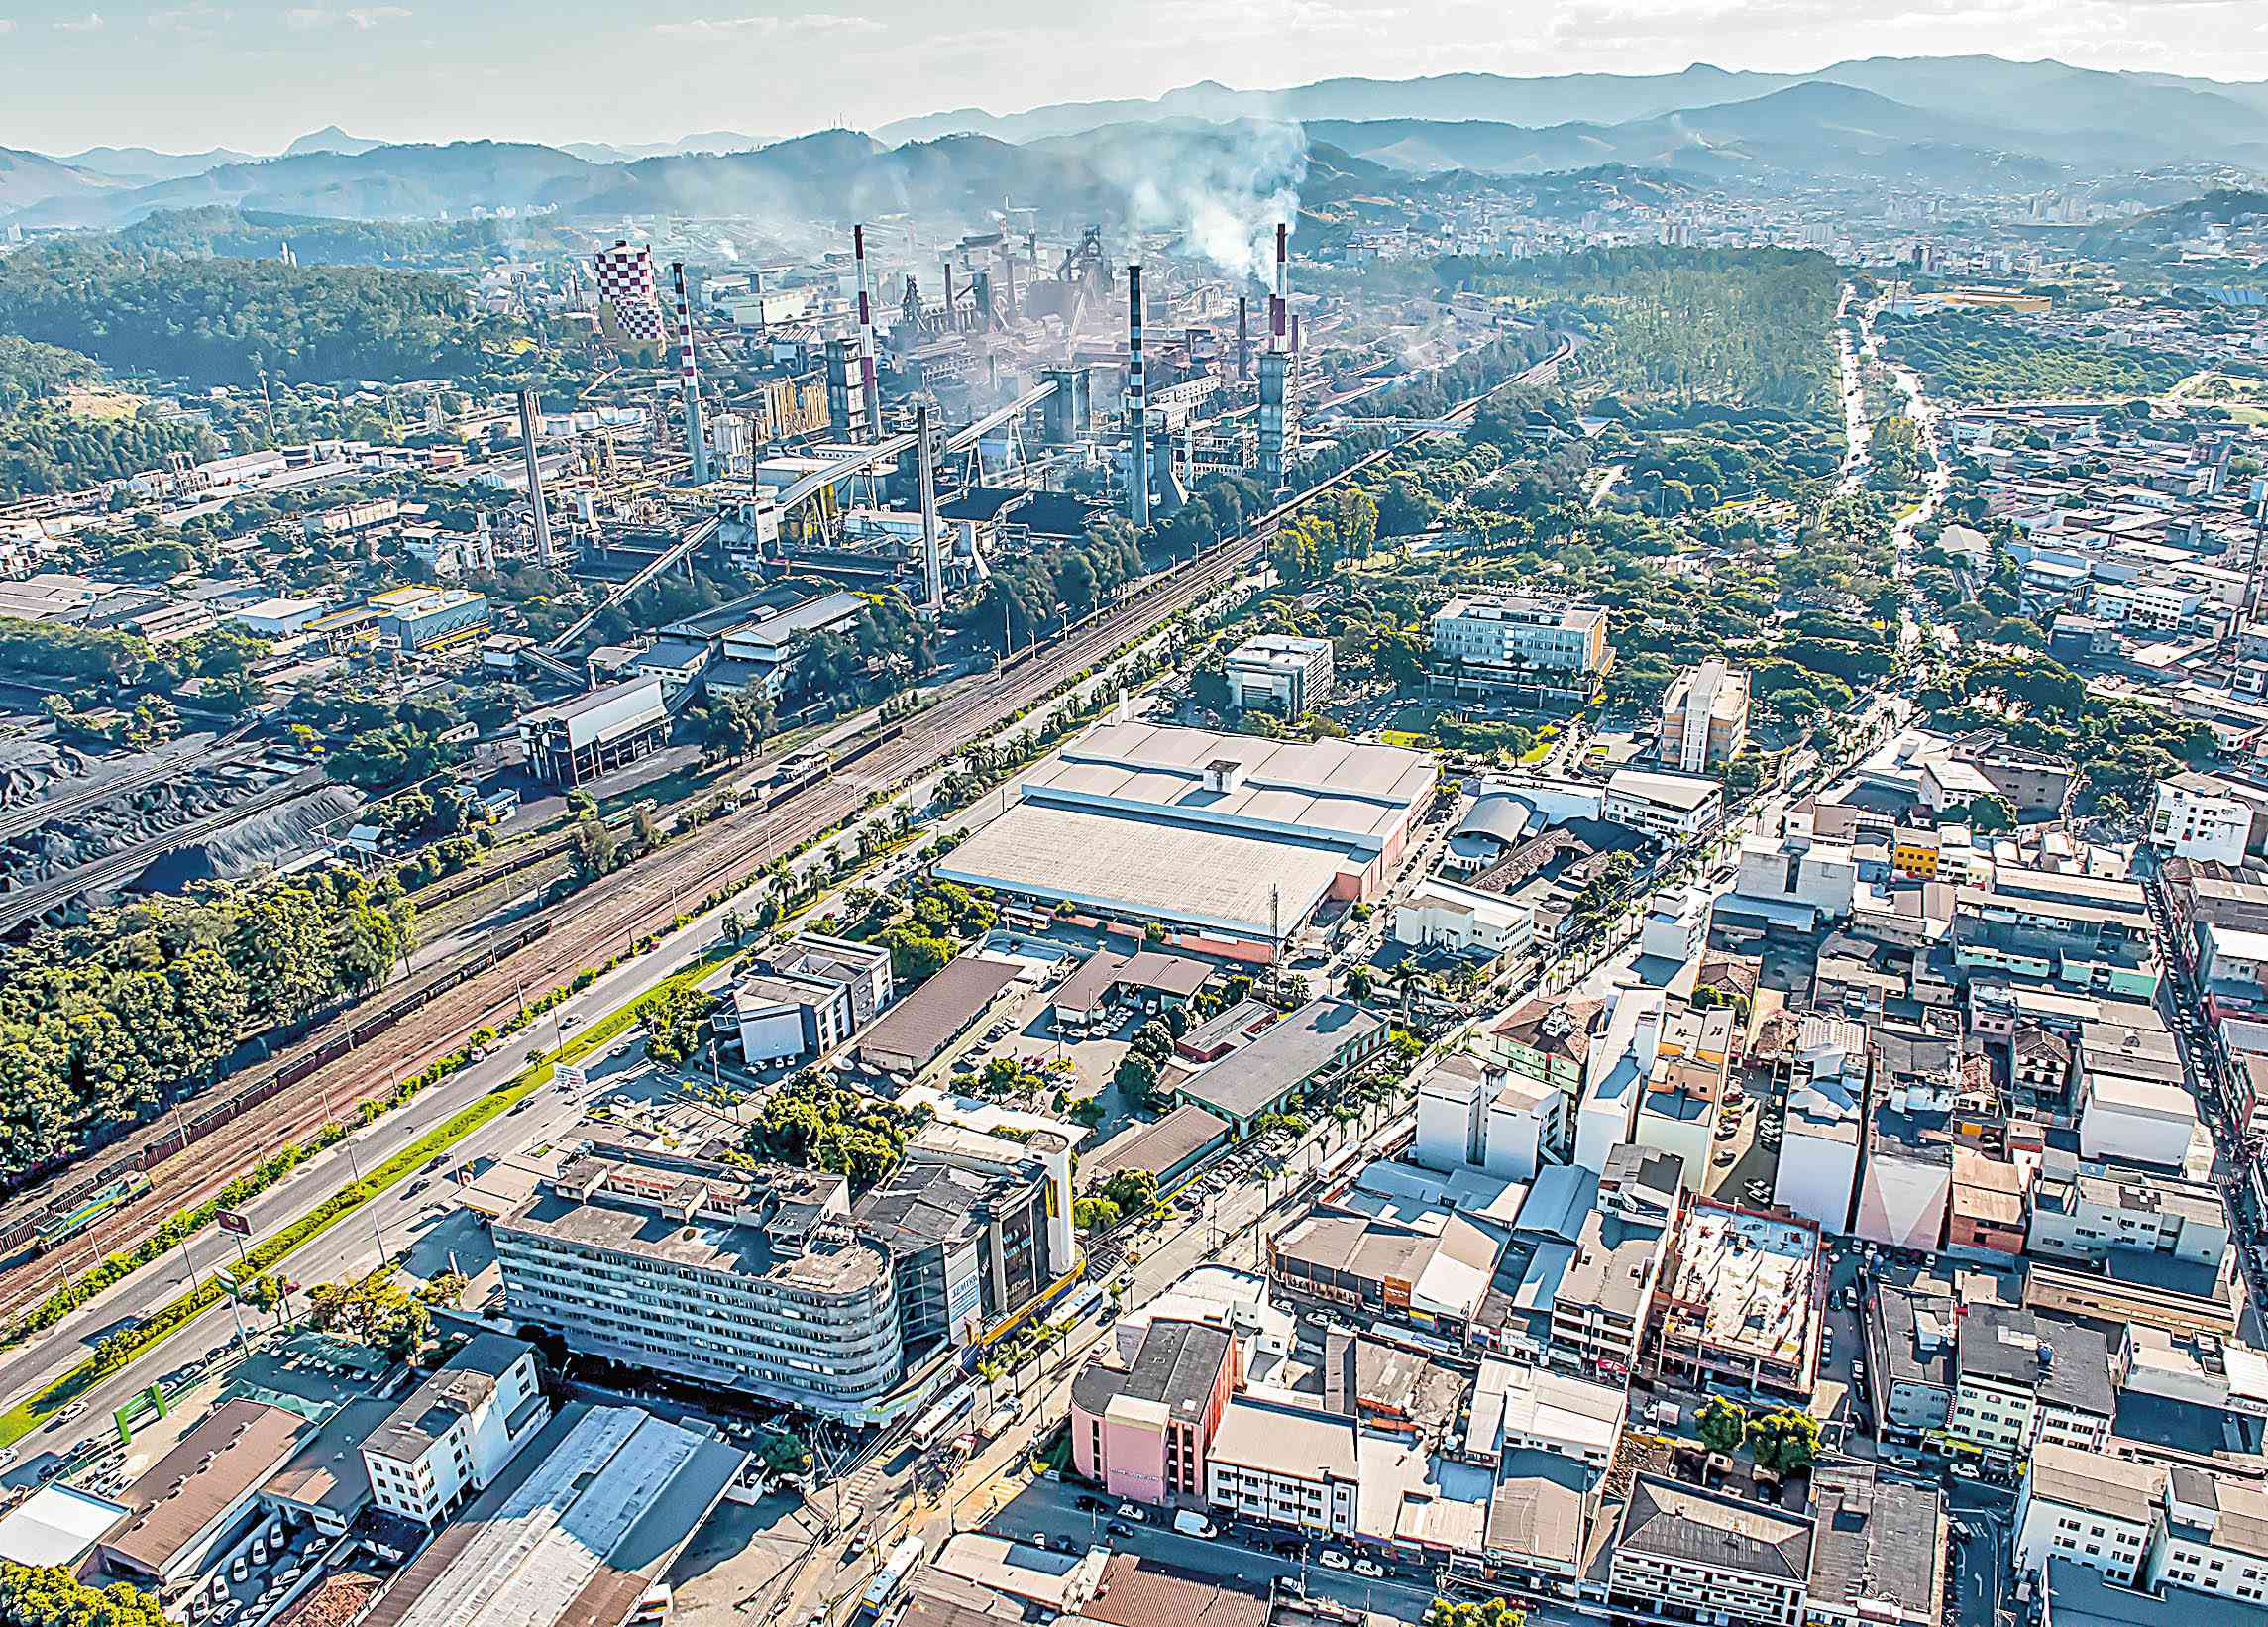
(1229, 839)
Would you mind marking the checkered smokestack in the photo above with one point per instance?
(689, 380)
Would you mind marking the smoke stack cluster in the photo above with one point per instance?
(528, 417)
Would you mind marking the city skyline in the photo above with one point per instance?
(187, 77)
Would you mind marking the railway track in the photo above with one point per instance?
(612, 913)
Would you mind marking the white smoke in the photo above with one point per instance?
(1221, 188)
(727, 248)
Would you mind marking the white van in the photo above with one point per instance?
(1191, 1524)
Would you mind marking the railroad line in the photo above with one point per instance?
(612, 913)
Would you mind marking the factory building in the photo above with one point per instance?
(754, 1281)
(428, 618)
(595, 733)
(1229, 842)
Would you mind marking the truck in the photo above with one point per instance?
(1192, 1524)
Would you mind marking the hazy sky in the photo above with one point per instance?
(254, 74)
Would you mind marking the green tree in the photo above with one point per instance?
(1785, 1439)
(1136, 1077)
(1722, 1424)
(49, 1595)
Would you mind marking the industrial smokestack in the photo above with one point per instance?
(953, 317)
(1243, 338)
(1281, 305)
(689, 380)
(528, 416)
(869, 390)
(1137, 404)
(932, 567)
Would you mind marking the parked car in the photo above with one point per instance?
(1118, 1529)
(1333, 1560)
(1134, 1512)
(1368, 1567)
(1090, 1505)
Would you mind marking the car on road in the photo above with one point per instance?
(63, 1419)
(1118, 1529)
(1134, 1512)
(1090, 1505)
(1289, 1546)
(1333, 1560)
(1366, 1566)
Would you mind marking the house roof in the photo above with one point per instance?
(1676, 1521)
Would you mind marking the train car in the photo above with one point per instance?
(89, 1209)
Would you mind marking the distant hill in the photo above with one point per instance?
(140, 166)
(2040, 110)
(2161, 228)
(30, 178)
(329, 139)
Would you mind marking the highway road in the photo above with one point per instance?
(354, 1246)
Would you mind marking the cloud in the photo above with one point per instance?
(767, 28)
(81, 25)
(188, 18)
(364, 18)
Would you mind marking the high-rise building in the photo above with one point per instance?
(1704, 717)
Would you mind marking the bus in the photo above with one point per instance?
(892, 1576)
(940, 1421)
(89, 1209)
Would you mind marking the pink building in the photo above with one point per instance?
(1142, 1429)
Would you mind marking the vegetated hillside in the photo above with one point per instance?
(1740, 327)
(44, 447)
(2174, 223)
(243, 234)
(1814, 128)
(1972, 357)
(220, 321)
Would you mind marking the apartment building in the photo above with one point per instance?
(2208, 817)
(1142, 1429)
(1285, 1463)
(2089, 1507)
(2022, 1378)
(1506, 640)
(1707, 1557)
(1278, 673)
(751, 1279)
(453, 1435)
(1704, 717)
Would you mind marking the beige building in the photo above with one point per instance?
(1704, 717)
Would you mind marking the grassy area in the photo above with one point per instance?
(168, 1319)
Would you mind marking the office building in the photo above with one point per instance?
(1278, 673)
(1142, 1429)
(974, 1225)
(1513, 641)
(752, 1280)
(807, 995)
(453, 1435)
(1704, 717)
(2022, 1378)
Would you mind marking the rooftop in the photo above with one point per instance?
(217, 1464)
(456, 1390)
(925, 1022)
(1246, 1081)
(1876, 1540)
(1676, 1521)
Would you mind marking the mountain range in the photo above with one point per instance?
(1959, 123)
